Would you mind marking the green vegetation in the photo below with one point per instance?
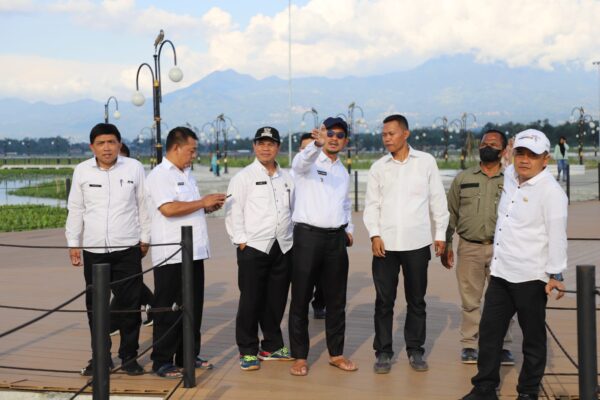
(51, 190)
(27, 173)
(29, 217)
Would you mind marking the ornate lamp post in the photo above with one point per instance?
(581, 120)
(116, 114)
(466, 136)
(352, 107)
(444, 125)
(175, 75)
(315, 116)
(223, 124)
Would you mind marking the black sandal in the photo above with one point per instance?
(169, 371)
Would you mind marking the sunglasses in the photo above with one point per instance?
(339, 135)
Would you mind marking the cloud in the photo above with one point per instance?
(332, 38)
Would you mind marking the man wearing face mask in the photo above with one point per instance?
(472, 202)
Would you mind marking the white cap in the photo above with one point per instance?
(533, 140)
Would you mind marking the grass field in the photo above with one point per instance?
(29, 217)
(52, 190)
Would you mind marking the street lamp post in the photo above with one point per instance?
(315, 116)
(175, 75)
(116, 114)
(581, 120)
(444, 126)
(223, 124)
(466, 136)
(350, 121)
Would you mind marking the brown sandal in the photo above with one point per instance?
(343, 363)
(299, 368)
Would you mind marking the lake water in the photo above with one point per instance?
(10, 185)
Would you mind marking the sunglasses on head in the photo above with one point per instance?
(339, 135)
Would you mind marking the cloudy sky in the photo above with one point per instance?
(64, 50)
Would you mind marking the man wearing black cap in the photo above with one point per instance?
(258, 221)
(323, 228)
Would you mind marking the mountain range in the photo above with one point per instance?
(446, 86)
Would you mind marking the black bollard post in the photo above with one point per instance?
(356, 190)
(189, 313)
(68, 186)
(100, 328)
(586, 332)
(567, 172)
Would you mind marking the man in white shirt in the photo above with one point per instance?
(108, 218)
(405, 197)
(175, 201)
(530, 254)
(258, 218)
(323, 228)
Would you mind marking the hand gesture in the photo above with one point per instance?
(213, 202)
(440, 247)
(554, 284)
(448, 258)
(319, 135)
(377, 246)
(75, 255)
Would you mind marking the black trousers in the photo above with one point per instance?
(147, 297)
(167, 290)
(123, 263)
(385, 277)
(264, 282)
(318, 302)
(324, 254)
(502, 300)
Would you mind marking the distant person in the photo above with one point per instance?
(147, 297)
(107, 208)
(214, 163)
(323, 229)
(258, 218)
(472, 202)
(405, 199)
(530, 254)
(174, 200)
(562, 157)
(318, 302)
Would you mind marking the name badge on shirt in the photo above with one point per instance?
(469, 185)
(180, 183)
(95, 185)
(321, 172)
(261, 183)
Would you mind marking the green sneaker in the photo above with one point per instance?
(283, 354)
(249, 363)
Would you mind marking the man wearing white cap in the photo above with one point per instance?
(530, 254)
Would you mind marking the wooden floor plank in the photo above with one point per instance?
(44, 278)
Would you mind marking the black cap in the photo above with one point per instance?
(267, 132)
(331, 122)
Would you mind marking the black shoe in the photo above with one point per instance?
(468, 356)
(480, 394)
(507, 358)
(319, 313)
(131, 367)
(148, 322)
(525, 396)
(383, 365)
(417, 362)
(89, 370)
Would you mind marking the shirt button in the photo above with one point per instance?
(506, 215)
(497, 244)
(495, 258)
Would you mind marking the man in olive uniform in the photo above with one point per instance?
(472, 202)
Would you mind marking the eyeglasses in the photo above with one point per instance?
(339, 135)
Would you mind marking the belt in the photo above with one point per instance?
(318, 229)
(489, 241)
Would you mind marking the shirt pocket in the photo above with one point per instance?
(469, 201)
(184, 192)
(125, 189)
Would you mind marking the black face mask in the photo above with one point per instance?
(489, 154)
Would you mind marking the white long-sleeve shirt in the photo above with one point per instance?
(402, 201)
(165, 184)
(530, 241)
(322, 189)
(258, 209)
(108, 207)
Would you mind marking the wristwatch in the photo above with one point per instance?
(557, 277)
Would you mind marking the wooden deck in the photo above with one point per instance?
(44, 278)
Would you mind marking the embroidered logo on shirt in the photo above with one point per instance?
(321, 172)
(95, 185)
(261, 183)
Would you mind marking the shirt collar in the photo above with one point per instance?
(94, 163)
(411, 153)
(167, 164)
(323, 158)
(477, 170)
(256, 164)
(533, 181)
